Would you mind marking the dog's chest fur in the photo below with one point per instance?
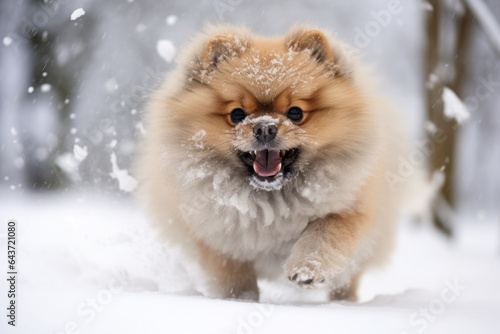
(228, 214)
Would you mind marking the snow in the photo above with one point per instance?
(171, 19)
(111, 85)
(140, 28)
(80, 152)
(68, 163)
(77, 13)
(427, 6)
(198, 139)
(266, 77)
(264, 119)
(94, 262)
(166, 50)
(139, 126)
(88, 238)
(432, 81)
(45, 88)
(19, 162)
(430, 127)
(125, 182)
(7, 41)
(454, 108)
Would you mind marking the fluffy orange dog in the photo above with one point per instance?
(267, 156)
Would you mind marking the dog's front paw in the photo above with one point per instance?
(306, 273)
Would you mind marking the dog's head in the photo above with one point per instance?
(271, 108)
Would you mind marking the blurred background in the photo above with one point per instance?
(74, 77)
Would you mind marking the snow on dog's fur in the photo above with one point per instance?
(308, 197)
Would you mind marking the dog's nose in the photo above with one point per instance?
(265, 133)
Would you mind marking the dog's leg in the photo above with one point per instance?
(347, 292)
(323, 255)
(228, 278)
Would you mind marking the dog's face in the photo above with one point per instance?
(272, 108)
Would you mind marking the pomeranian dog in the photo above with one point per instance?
(268, 156)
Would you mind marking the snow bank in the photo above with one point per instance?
(93, 263)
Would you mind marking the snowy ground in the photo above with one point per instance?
(90, 264)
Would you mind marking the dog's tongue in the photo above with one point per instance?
(267, 163)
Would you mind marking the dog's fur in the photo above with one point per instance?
(332, 216)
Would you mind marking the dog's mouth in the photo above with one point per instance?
(267, 164)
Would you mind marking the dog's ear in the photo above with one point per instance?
(221, 47)
(311, 40)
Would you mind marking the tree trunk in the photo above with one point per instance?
(443, 157)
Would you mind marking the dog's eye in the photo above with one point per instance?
(295, 114)
(237, 115)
